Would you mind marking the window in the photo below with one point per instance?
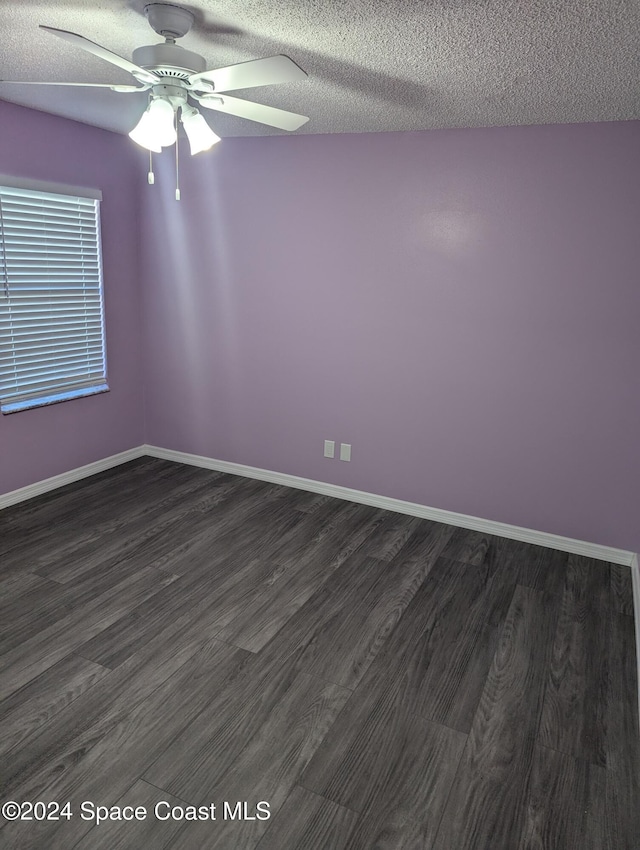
(52, 344)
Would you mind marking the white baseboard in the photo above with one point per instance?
(56, 481)
(635, 579)
(500, 529)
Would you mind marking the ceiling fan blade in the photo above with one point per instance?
(97, 50)
(115, 87)
(254, 111)
(247, 75)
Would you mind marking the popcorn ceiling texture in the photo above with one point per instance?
(373, 65)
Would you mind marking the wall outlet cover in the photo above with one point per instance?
(345, 451)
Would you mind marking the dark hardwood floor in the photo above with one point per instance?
(176, 636)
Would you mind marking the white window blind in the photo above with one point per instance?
(52, 342)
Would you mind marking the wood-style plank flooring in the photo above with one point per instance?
(175, 636)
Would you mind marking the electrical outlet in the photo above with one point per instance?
(329, 448)
(345, 451)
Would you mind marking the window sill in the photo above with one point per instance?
(54, 398)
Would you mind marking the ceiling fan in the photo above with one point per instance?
(174, 75)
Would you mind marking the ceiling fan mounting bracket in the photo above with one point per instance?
(168, 20)
(208, 98)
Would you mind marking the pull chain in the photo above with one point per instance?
(177, 162)
(150, 176)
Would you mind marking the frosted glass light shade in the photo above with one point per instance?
(201, 136)
(155, 130)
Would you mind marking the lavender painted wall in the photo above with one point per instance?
(37, 444)
(460, 305)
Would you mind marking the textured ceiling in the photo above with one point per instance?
(373, 65)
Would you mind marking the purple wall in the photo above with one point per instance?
(37, 444)
(460, 305)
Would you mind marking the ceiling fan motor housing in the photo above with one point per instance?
(169, 60)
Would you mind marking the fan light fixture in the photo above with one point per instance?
(201, 136)
(156, 129)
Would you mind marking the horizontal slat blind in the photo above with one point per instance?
(52, 342)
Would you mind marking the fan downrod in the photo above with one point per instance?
(169, 21)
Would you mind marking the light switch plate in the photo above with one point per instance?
(345, 451)
(329, 448)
